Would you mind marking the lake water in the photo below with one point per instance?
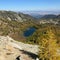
(29, 31)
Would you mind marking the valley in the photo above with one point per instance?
(30, 36)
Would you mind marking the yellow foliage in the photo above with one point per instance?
(48, 46)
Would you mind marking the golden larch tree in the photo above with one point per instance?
(48, 46)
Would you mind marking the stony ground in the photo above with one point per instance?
(11, 49)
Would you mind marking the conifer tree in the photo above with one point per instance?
(48, 46)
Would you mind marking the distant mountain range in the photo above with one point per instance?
(39, 14)
(45, 16)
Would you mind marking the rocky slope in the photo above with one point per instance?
(54, 19)
(14, 23)
(11, 49)
(17, 16)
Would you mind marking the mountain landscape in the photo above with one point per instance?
(29, 29)
(13, 23)
(24, 36)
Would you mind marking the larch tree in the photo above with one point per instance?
(48, 45)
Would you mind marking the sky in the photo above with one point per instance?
(28, 5)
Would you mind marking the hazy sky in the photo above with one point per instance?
(18, 5)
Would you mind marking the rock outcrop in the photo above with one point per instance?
(11, 49)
